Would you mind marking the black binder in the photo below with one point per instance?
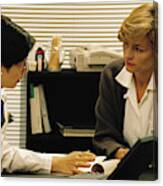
(143, 153)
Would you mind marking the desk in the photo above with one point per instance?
(146, 176)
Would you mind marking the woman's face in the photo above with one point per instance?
(138, 55)
(10, 77)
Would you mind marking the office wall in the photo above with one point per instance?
(78, 24)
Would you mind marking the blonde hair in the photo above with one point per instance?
(140, 23)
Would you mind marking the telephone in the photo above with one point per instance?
(92, 58)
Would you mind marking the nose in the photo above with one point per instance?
(128, 53)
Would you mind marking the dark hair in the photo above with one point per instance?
(15, 42)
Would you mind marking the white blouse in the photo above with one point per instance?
(139, 117)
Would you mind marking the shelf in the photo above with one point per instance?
(70, 98)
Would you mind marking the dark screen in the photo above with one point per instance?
(71, 98)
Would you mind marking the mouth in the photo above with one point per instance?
(130, 64)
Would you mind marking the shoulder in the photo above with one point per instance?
(111, 70)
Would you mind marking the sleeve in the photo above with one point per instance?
(108, 136)
(22, 160)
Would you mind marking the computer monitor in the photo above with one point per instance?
(71, 98)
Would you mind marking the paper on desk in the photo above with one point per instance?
(105, 167)
(101, 166)
(99, 159)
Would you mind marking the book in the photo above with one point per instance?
(44, 112)
(75, 131)
(36, 122)
(39, 119)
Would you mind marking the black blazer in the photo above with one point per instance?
(109, 110)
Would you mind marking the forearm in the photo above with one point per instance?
(106, 146)
(15, 159)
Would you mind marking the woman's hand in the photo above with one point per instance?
(121, 152)
(70, 163)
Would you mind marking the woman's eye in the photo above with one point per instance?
(139, 49)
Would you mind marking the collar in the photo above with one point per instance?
(152, 84)
(125, 78)
(3, 95)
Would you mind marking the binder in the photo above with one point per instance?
(36, 123)
(44, 112)
(39, 114)
(143, 153)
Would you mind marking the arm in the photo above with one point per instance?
(21, 160)
(15, 159)
(109, 115)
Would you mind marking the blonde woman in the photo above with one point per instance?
(15, 46)
(126, 104)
